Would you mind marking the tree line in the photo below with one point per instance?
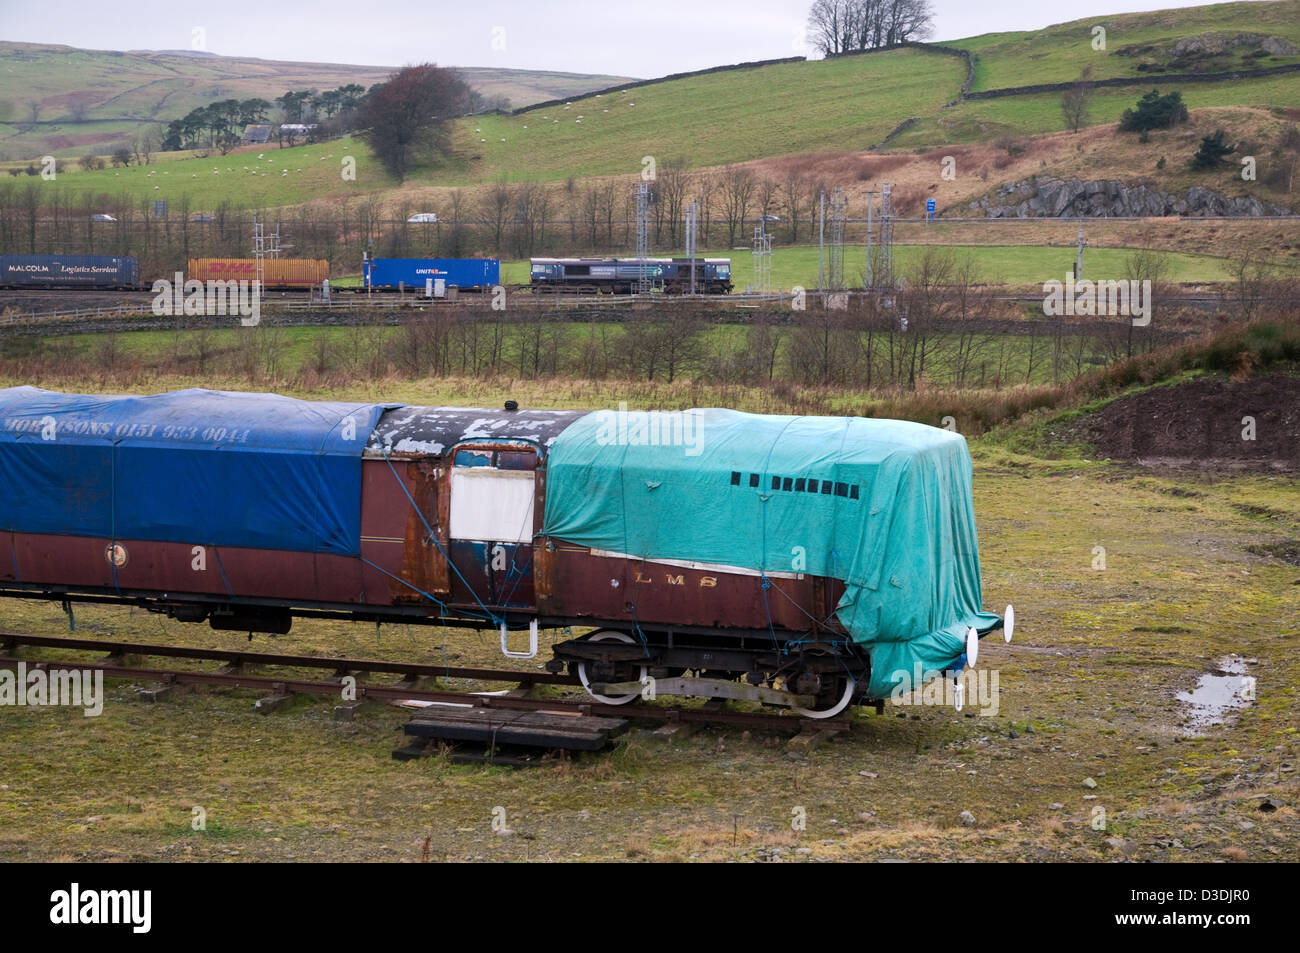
(847, 26)
(501, 219)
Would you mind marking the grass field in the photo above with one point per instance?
(140, 88)
(982, 120)
(1087, 690)
(732, 116)
(282, 177)
(297, 353)
(1060, 52)
(842, 105)
(995, 264)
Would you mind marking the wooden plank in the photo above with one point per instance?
(568, 720)
(526, 729)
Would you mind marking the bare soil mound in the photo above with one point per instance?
(1209, 424)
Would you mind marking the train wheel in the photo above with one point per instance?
(835, 707)
(609, 635)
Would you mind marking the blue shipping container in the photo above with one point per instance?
(414, 273)
(69, 271)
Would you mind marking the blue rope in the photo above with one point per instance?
(434, 536)
(230, 591)
(112, 547)
(432, 598)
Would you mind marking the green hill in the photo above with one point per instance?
(841, 105)
(96, 99)
(1212, 39)
(729, 116)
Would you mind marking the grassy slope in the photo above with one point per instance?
(137, 87)
(1060, 52)
(986, 120)
(178, 175)
(733, 116)
(844, 104)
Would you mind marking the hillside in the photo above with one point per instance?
(852, 122)
(95, 99)
(1211, 39)
(731, 116)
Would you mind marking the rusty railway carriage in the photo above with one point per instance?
(247, 510)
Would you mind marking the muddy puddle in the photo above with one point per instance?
(1218, 693)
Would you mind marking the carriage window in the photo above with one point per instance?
(492, 505)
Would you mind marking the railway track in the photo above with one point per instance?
(241, 669)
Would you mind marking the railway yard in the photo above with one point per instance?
(1199, 581)
(884, 455)
(1089, 689)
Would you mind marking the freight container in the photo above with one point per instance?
(276, 272)
(69, 271)
(388, 274)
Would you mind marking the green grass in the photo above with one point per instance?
(137, 88)
(733, 116)
(298, 351)
(984, 120)
(996, 264)
(834, 105)
(1059, 53)
(176, 177)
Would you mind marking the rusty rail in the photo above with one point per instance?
(280, 684)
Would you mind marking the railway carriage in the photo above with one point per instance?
(803, 562)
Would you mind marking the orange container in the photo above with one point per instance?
(276, 272)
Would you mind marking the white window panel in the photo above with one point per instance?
(492, 505)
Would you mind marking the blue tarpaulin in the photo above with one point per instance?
(197, 466)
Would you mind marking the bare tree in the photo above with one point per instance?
(796, 197)
(1074, 104)
(672, 185)
(494, 212)
(845, 26)
(1146, 264)
(766, 193)
(738, 188)
(828, 25)
(925, 301)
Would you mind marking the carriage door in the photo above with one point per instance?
(493, 495)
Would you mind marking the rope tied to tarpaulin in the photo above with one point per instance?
(489, 614)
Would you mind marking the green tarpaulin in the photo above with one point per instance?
(883, 505)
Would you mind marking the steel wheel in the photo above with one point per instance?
(850, 686)
(609, 635)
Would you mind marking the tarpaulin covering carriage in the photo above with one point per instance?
(884, 505)
(199, 466)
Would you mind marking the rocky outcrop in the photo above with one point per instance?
(1047, 197)
(1194, 45)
